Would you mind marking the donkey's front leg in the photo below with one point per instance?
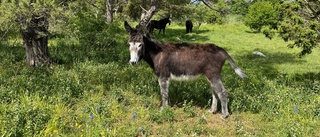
(164, 88)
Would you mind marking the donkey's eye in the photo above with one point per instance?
(140, 45)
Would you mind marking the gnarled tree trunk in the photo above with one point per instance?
(35, 41)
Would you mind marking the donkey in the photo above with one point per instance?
(182, 62)
(189, 26)
(161, 24)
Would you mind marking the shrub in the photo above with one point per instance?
(239, 7)
(261, 14)
(165, 115)
(189, 109)
(26, 117)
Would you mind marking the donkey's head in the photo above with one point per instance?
(136, 35)
(136, 44)
(168, 20)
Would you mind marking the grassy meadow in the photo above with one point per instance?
(91, 90)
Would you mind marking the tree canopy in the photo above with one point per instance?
(296, 21)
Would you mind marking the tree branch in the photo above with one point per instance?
(94, 5)
(5, 33)
(142, 26)
(143, 8)
(314, 12)
(209, 6)
(62, 2)
(193, 1)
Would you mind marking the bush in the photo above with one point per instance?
(26, 117)
(239, 7)
(165, 115)
(261, 14)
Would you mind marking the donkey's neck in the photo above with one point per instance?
(147, 57)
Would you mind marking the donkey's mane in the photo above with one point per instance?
(171, 47)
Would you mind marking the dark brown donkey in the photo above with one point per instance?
(182, 62)
(159, 24)
(189, 26)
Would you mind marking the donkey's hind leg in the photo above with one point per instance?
(222, 95)
(214, 103)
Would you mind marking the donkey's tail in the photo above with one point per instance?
(235, 67)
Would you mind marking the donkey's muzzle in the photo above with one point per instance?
(133, 63)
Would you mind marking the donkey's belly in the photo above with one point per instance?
(184, 77)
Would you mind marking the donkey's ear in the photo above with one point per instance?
(128, 27)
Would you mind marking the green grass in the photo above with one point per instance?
(93, 91)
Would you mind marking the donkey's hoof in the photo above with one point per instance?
(224, 117)
(212, 111)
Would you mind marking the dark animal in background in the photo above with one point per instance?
(161, 25)
(189, 26)
(182, 62)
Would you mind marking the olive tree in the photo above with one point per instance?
(31, 18)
